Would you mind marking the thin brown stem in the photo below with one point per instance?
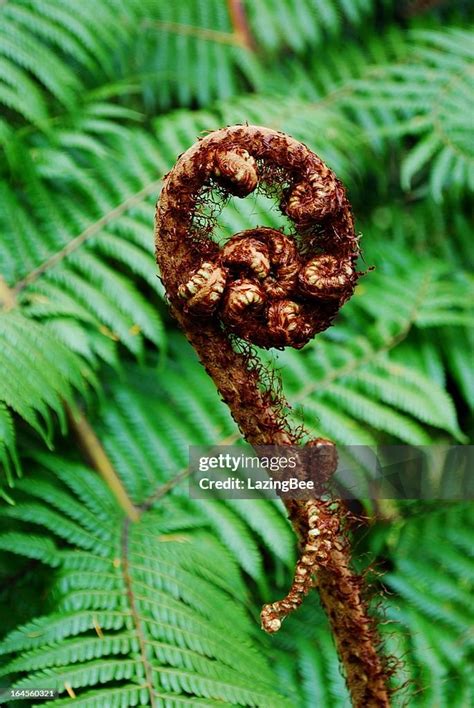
(204, 33)
(266, 290)
(239, 23)
(418, 7)
(99, 460)
(135, 612)
(240, 36)
(7, 296)
(183, 474)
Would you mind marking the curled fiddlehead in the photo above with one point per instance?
(272, 289)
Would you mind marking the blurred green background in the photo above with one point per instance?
(97, 100)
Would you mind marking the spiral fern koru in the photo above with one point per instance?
(272, 289)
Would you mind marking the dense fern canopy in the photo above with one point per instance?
(97, 100)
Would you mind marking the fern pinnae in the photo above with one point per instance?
(85, 485)
(21, 94)
(60, 501)
(70, 531)
(31, 546)
(73, 651)
(269, 523)
(93, 587)
(51, 629)
(128, 299)
(337, 424)
(81, 675)
(101, 306)
(139, 262)
(175, 581)
(235, 535)
(48, 299)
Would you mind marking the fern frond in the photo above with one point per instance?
(433, 110)
(142, 606)
(90, 298)
(357, 381)
(299, 25)
(235, 534)
(214, 59)
(433, 576)
(43, 43)
(8, 454)
(457, 343)
(39, 374)
(268, 523)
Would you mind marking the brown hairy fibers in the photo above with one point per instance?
(272, 289)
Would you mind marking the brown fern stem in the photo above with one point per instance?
(271, 289)
(134, 611)
(239, 23)
(99, 460)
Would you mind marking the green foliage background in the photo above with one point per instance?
(97, 100)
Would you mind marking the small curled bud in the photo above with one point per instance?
(326, 277)
(204, 289)
(270, 621)
(241, 295)
(236, 170)
(288, 324)
(247, 252)
(284, 281)
(314, 198)
(284, 261)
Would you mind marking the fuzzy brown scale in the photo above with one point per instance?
(272, 289)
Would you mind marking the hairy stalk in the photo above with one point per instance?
(272, 289)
